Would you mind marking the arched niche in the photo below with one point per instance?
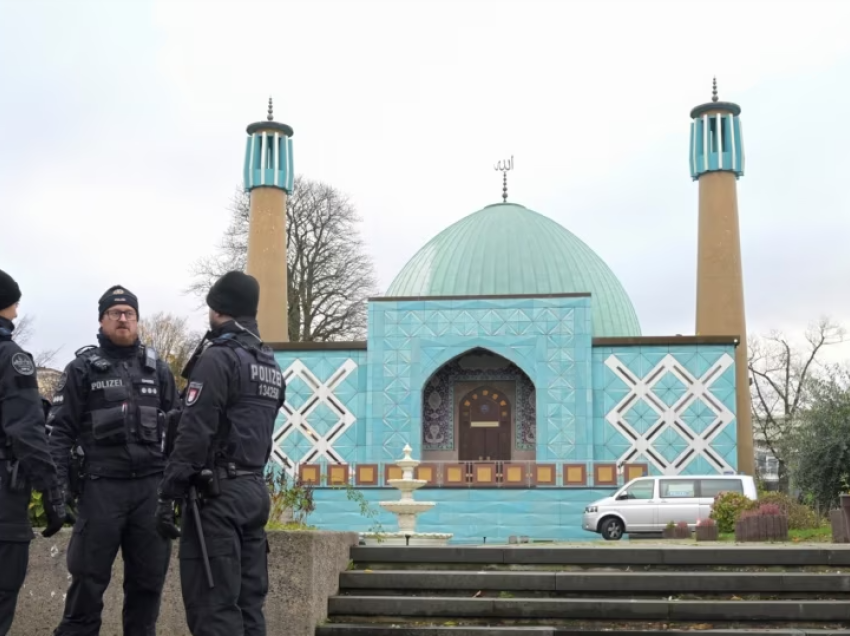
(446, 419)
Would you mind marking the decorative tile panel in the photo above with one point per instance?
(325, 398)
(671, 408)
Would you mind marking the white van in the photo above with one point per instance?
(648, 504)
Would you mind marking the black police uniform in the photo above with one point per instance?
(111, 403)
(233, 397)
(25, 464)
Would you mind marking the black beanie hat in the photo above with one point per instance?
(235, 294)
(10, 293)
(116, 295)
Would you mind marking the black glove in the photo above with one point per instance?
(165, 525)
(54, 507)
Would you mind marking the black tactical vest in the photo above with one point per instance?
(246, 436)
(122, 413)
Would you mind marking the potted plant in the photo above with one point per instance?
(768, 523)
(707, 530)
(669, 531)
(682, 531)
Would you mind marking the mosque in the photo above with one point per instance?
(510, 358)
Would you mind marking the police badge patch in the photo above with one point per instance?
(23, 364)
(62, 380)
(193, 392)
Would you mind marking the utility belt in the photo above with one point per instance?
(231, 471)
(210, 488)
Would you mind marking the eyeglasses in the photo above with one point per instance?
(115, 314)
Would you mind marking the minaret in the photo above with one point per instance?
(269, 178)
(717, 161)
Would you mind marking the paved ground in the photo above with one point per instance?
(666, 543)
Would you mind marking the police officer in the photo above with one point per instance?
(111, 403)
(234, 393)
(25, 461)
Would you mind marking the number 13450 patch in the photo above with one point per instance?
(193, 392)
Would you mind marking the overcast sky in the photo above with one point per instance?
(122, 128)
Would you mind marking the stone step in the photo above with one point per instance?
(589, 609)
(835, 555)
(354, 629)
(705, 583)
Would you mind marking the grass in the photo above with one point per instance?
(292, 526)
(822, 534)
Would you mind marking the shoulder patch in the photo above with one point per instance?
(63, 379)
(23, 364)
(193, 392)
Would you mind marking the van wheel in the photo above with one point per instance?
(612, 529)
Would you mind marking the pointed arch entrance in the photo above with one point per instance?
(448, 433)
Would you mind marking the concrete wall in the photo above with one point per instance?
(304, 571)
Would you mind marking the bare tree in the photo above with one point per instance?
(782, 377)
(24, 330)
(330, 275)
(172, 339)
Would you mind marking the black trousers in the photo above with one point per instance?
(15, 537)
(234, 530)
(113, 514)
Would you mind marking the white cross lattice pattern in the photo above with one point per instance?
(670, 416)
(297, 419)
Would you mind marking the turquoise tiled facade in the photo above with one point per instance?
(682, 417)
(471, 515)
(548, 338)
(668, 407)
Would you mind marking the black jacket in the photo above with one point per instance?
(22, 432)
(112, 401)
(231, 402)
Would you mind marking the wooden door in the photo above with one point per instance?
(485, 426)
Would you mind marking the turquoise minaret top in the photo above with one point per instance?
(268, 155)
(716, 140)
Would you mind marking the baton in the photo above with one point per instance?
(193, 499)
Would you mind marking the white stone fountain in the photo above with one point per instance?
(405, 510)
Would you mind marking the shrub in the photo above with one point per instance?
(800, 516)
(38, 518)
(727, 509)
(297, 497)
(682, 525)
(701, 523)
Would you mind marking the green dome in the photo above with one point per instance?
(508, 249)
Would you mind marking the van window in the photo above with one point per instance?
(643, 489)
(713, 487)
(678, 488)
